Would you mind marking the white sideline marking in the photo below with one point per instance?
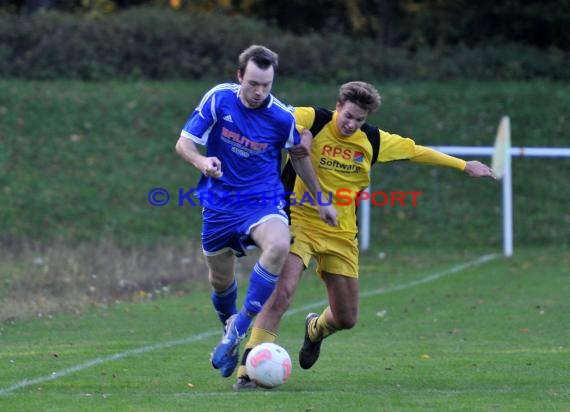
(435, 276)
(97, 361)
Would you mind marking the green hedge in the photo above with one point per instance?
(159, 44)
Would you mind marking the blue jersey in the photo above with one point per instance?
(248, 142)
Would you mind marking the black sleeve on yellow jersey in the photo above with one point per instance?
(288, 175)
(373, 134)
(322, 117)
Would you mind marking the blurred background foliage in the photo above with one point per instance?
(408, 23)
(320, 39)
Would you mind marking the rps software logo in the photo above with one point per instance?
(341, 159)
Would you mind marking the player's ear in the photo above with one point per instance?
(239, 77)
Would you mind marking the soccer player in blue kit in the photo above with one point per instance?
(244, 128)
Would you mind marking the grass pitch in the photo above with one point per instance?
(436, 333)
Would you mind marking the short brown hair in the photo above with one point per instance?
(364, 95)
(260, 55)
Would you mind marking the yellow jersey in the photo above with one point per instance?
(343, 164)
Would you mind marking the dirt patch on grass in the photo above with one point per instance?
(40, 279)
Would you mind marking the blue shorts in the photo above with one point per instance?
(223, 231)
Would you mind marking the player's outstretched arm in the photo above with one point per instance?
(475, 168)
(209, 166)
(426, 155)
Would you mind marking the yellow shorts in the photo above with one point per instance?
(334, 254)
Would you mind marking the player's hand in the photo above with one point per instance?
(475, 168)
(329, 215)
(211, 167)
(303, 149)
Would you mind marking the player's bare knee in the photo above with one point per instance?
(219, 282)
(280, 247)
(276, 251)
(347, 321)
(346, 324)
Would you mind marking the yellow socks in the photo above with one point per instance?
(319, 328)
(258, 336)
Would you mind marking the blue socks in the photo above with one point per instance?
(261, 284)
(225, 302)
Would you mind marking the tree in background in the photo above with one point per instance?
(414, 23)
(396, 23)
(433, 22)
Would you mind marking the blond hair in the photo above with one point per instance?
(364, 95)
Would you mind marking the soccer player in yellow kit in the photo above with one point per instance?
(344, 148)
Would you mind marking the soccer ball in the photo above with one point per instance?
(268, 365)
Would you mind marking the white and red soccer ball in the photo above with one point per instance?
(268, 365)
